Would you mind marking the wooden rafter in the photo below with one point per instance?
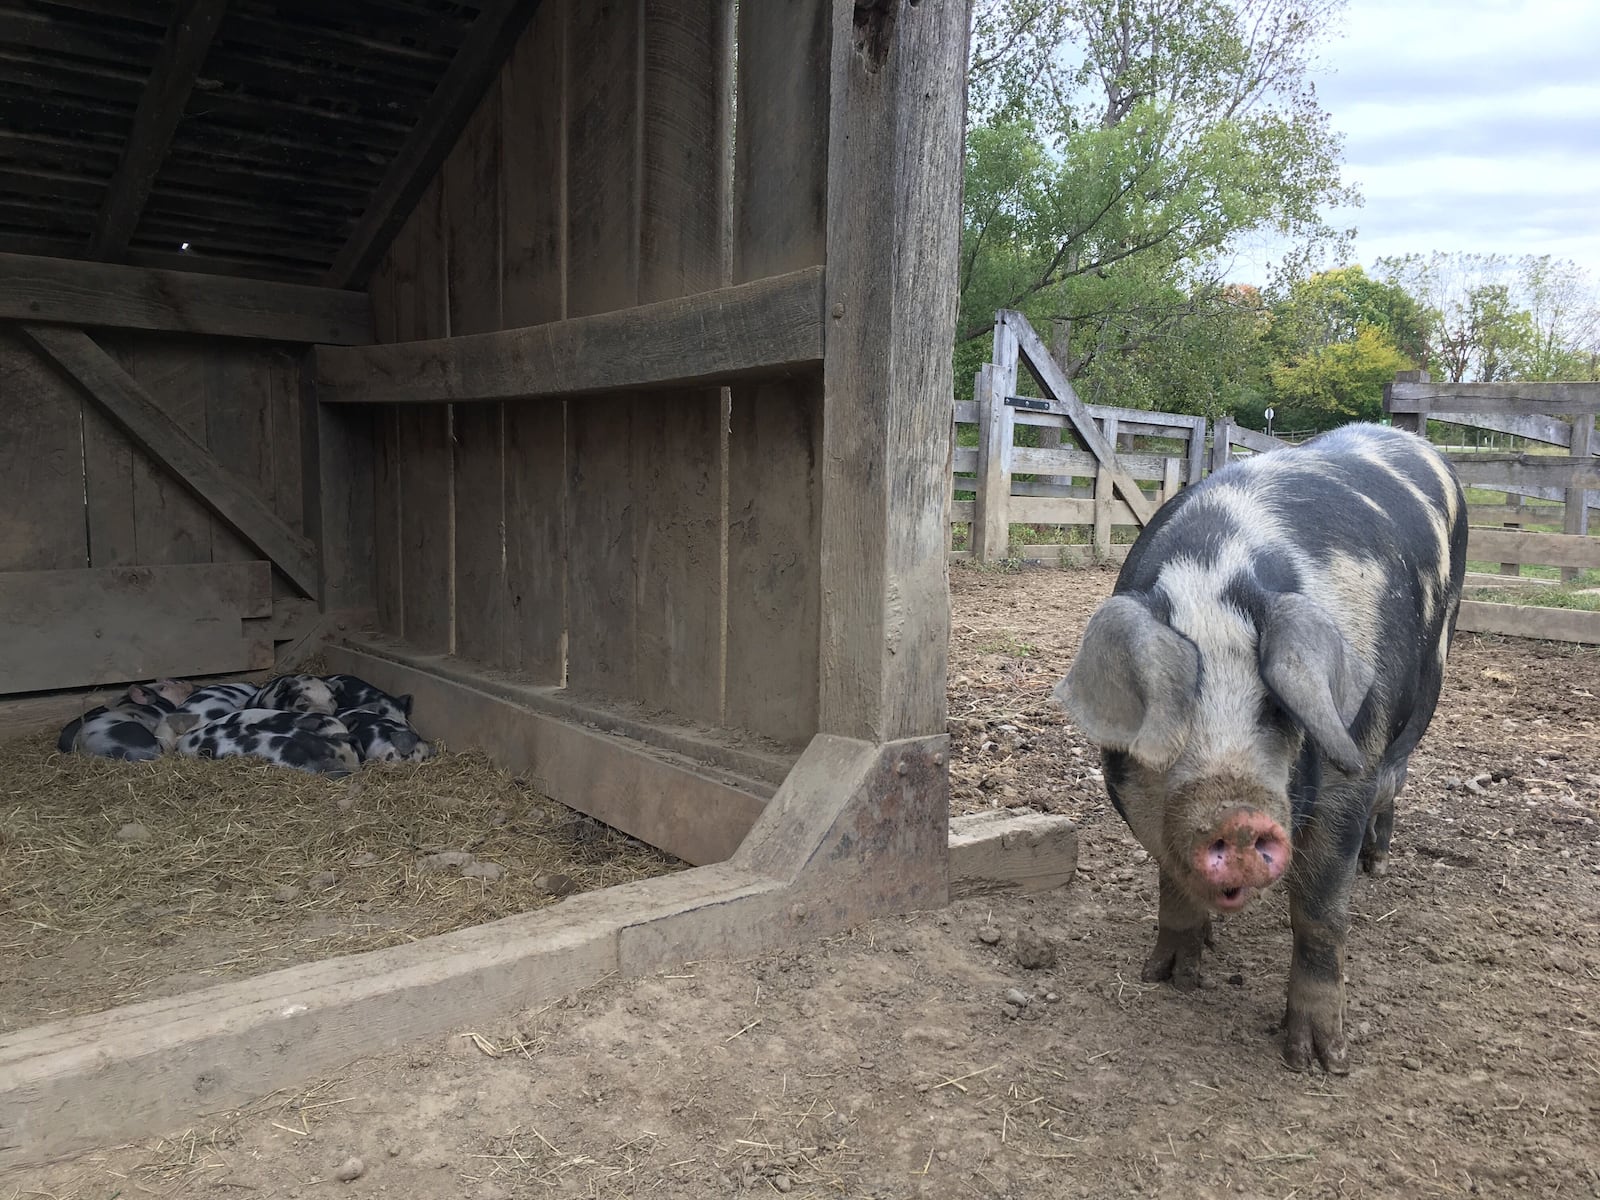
(160, 109)
(126, 403)
(490, 41)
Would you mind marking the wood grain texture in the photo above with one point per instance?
(103, 294)
(603, 218)
(181, 456)
(1527, 470)
(1523, 620)
(427, 518)
(995, 853)
(1503, 399)
(894, 196)
(775, 429)
(472, 198)
(42, 525)
(679, 461)
(93, 626)
(1543, 549)
(771, 327)
(533, 291)
(387, 503)
(1576, 519)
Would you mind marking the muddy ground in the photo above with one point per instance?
(887, 1063)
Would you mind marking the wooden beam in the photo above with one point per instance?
(996, 852)
(771, 327)
(1543, 549)
(660, 798)
(1552, 430)
(120, 397)
(85, 293)
(1530, 621)
(87, 627)
(894, 201)
(1054, 381)
(1531, 470)
(1504, 399)
(160, 109)
(490, 41)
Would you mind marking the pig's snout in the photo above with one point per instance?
(1246, 851)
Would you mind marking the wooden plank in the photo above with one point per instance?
(775, 429)
(604, 132)
(698, 815)
(108, 491)
(69, 1086)
(338, 462)
(994, 853)
(771, 327)
(533, 292)
(41, 464)
(234, 385)
(288, 480)
(161, 106)
(121, 398)
(1506, 580)
(93, 626)
(472, 198)
(1543, 549)
(1530, 621)
(1051, 378)
(103, 294)
(1516, 514)
(170, 525)
(427, 516)
(1576, 520)
(1534, 470)
(387, 595)
(679, 441)
(499, 26)
(1503, 399)
(1552, 430)
(996, 452)
(1137, 467)
(1077, 554)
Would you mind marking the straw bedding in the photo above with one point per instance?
(122, 882)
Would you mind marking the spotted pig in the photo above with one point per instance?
(351, 693)
(382, 739)
(125, 729)
(202, 705)
(1270, 657)
(314, 742)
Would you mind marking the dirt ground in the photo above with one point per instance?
(887, 1062)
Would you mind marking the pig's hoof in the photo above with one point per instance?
(1308, 1040)
(1375, 863)
(1176, 958)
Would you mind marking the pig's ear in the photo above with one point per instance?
(405, 703)
(1133, 685)
(1315, 674)
(140, 694)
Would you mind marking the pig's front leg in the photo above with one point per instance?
(1184, 931)
(1319, 910)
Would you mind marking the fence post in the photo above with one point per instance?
(1513, 521)
(1103, 491)
(1417, 422)
(1220, 449)
(1576, 518)
(991, 530)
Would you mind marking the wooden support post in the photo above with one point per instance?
(894, 194)
(1417, 421)
(1197, 452)
(1221, 444)
(337, 451)
(1103, 496)
(1576, 520)
(1513, 521)
(1171, 470)
(992, 529)
(995, 852)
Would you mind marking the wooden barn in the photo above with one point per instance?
(580, 367)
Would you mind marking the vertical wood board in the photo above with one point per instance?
(42, 520)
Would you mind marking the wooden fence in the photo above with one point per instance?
(1528, 411)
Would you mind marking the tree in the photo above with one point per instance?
(1491, 317)
(1338, 382)
(1118, 148)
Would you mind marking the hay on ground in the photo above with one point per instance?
(122, 882)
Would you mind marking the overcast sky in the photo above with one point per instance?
(1469, 125)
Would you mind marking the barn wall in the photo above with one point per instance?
(658, 547)
(75, 492)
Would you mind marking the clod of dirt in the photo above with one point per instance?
(133, 832)
(556, 884)
(783, 1183)
(444, 859)
(350, 1169)
(1051, 998)
(989, 935)
(483, 870)
(323, 879)
(1034, 951)
(365, 859)
(285, 892)
(1017, 997)
(1411, 1063)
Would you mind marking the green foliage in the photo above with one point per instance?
(1117, 149)
(1338, 382)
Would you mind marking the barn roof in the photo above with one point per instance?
(279, 139)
